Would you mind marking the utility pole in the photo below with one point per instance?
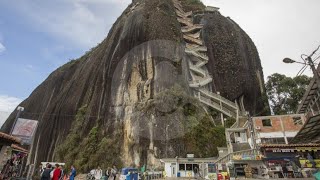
(20, 109)
(307, 61)
(315, 72)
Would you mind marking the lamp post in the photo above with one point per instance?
(307, 61)
(20, 109)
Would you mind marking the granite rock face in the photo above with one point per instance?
(128, 84)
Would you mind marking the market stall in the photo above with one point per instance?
(11, 156)
(291, 161)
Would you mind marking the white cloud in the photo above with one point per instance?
(7, 105)
(2, 48)
(84, 23)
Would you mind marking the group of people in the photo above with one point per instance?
(56, 173)
(109, 173)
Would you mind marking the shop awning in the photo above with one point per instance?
(19, 149)
(309, 133)
(6, 139)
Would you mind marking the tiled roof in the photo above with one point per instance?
(7, 137)
(310, 131)
(18, 148)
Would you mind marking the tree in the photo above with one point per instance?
(285, 93)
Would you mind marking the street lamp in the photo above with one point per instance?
(307, 61)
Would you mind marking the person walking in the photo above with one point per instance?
(98, 173)
(46, 173)
(73, 173)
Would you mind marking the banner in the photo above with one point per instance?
(25, 130)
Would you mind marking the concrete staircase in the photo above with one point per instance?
(201, 78)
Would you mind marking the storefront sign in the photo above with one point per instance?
(303, 149)
(283, 150)
(246, 157)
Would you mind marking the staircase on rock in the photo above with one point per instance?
(197, 52)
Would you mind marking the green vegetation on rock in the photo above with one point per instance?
(87, 150)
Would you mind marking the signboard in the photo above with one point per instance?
(287, 150)
(283, 150)
(212, 168)
(303, 149)
(25, 130)
(190, 155)
(246, 157)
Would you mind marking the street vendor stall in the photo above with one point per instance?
(11, 156)
(291, 160)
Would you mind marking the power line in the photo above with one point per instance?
(302, 70)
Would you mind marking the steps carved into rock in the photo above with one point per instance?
(197, 70)
(195, 27)
(197, 48)
(200, 77)
(196, 54)
(200, 82)
(184, 15)
(185, 22)
(192, 40)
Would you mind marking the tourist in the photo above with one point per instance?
(108, 173)
(73, 173)
(61, 172)
(98, 173)
(46, 173)
(40, 169)
(114, 172)
(56, 172)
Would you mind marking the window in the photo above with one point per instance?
(189, 167)
(266, 122)
(297, 120)
(182, 167)
(195, 168)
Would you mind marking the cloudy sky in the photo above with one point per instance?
(37, 36)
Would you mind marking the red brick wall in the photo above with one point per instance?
(288, 123)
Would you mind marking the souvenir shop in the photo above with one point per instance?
(11, 156)
(291, 160)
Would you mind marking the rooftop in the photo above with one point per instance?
(9, 139)
(18, 148)
(310, 131)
